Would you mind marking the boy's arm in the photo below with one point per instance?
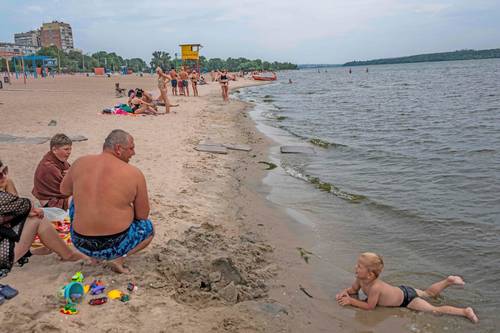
(370, 303)
(352, 290)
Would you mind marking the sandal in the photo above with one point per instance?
(7, 291)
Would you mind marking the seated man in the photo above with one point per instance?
(51, 171)
(111, 204)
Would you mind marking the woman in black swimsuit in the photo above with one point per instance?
(224, 83)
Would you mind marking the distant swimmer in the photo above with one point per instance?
(350, 71)
(290, 81)
(367, 69)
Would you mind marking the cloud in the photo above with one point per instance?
(34, 8)
(323, 30)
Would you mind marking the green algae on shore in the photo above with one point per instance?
(320, 143)
(270, 165)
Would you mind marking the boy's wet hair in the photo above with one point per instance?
(373, 262)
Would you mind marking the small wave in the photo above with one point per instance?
(325, 186)
(482, 151)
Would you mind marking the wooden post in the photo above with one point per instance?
(22, 65)
(8, 70)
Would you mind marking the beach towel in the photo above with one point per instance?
(62, 228)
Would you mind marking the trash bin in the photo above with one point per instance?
(6, 79)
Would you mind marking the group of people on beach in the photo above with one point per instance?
(108, 206)
(142, 102)
(106, 197)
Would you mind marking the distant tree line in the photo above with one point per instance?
(443, 56)
(76, 61)
(165, 61)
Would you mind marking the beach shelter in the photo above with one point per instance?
(191, 52)
(7, 55)
(46, 62)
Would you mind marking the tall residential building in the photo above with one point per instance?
(58, 34)
(30, 38)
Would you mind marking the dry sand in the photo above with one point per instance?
(222, 259)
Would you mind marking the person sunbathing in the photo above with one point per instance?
(111, 204)
(50, 172)
(139, 103)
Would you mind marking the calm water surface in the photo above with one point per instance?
(407, 164)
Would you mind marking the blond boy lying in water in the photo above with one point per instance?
(368, 269)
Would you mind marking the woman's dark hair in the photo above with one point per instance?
(130, 92)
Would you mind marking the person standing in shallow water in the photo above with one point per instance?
(111, 203)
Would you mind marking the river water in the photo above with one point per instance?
(406, 164)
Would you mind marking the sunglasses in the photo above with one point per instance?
(3, 171)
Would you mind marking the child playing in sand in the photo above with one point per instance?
(368, 269)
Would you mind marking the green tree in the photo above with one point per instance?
(161, 59)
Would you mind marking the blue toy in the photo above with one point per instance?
(72, 293)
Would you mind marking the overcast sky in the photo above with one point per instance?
(314, 31)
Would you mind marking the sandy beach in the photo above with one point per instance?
(222, 259)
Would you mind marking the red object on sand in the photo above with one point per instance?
(261, 77)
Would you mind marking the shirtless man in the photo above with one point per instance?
(111, 204)
(173, 81)
(184, 76)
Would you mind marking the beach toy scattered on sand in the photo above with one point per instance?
(86, 288)
(78, 277)
(131, 287)
(98, 301)
(125, 298)
(72, 293)
(115, 294)
(69, 309)
(97, 290)
(97, 287)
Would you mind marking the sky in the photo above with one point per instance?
(306, 31)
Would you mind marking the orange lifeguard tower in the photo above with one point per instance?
(191, 52)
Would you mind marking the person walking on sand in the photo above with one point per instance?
(184, 76)
(173, 81)
(194, 82)
(368, 269)
(111, 204)
(224, 84)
